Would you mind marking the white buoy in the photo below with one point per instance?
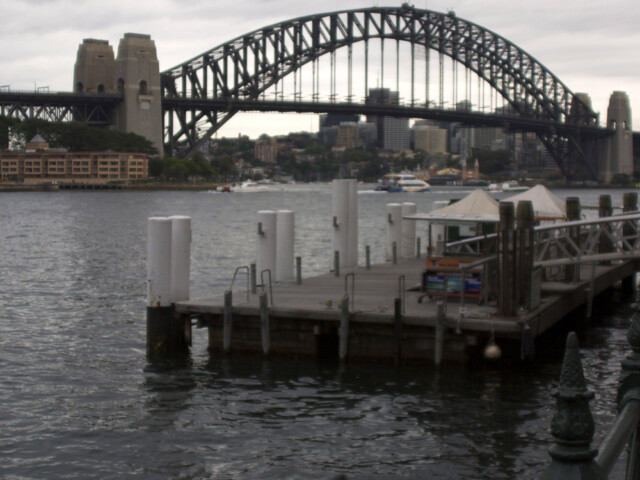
(352, 242)
(266, 248)
(408, 230)
(180, 257)
(285, 235)
(340, 220)
(394, 228)
(159, 262)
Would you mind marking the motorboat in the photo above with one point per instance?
(251, 186)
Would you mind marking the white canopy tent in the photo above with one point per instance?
(546, 205)
(477, 207)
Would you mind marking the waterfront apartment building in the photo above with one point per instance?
(38, 163)
(266, 149)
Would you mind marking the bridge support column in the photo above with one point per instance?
(617, 155)
(137, 77)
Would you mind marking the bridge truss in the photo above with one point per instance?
(94, 109)
(270, 66)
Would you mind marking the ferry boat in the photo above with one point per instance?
(402, 182)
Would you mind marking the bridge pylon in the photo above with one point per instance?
(134, 73)
(617, 151)
(137, 75)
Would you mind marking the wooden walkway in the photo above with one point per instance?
(305, 318)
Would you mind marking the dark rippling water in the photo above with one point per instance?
(80, 401)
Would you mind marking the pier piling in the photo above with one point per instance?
(168, 252)
(264, 324)
(227, 322)
(344, 329)
(506, 242)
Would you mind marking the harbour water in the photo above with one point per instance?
(80, 400)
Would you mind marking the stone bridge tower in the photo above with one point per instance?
(137, 76)
(617, 152)
(135, 73)
(93, 72)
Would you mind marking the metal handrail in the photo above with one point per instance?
(243, 267)
(615, 442)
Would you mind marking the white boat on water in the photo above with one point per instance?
(510, 186)
(250, 186)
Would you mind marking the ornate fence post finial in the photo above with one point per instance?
(572, 426)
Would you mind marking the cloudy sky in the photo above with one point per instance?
(592, 46)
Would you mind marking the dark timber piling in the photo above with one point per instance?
(506, 243)
(524, 252)
(629, 204)
(605, 209)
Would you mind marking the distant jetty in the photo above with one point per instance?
(55, 186)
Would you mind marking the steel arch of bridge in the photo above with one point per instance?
(210, 88)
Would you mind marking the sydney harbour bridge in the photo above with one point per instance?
(442, 67)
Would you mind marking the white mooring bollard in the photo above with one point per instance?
(285, 239)
(394, 228)
(340, 220)
(159, 262)
(180, 257)
(168, 263)
(408, 231)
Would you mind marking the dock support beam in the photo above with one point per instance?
(397, 323)
(344, 329)
(441, 322)
(227, 322)
(264, 324)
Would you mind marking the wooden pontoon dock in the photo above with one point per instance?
(306, 318)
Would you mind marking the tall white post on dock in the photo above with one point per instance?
(394, 228)
(159, 233)
(352, 242)
(180, 257)
(408, 231)
(344, 211)
(437, 230)
(266, 251)
(285, 236)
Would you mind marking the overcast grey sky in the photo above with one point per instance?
(592, 46)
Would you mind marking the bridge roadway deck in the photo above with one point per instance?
(316, 301)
